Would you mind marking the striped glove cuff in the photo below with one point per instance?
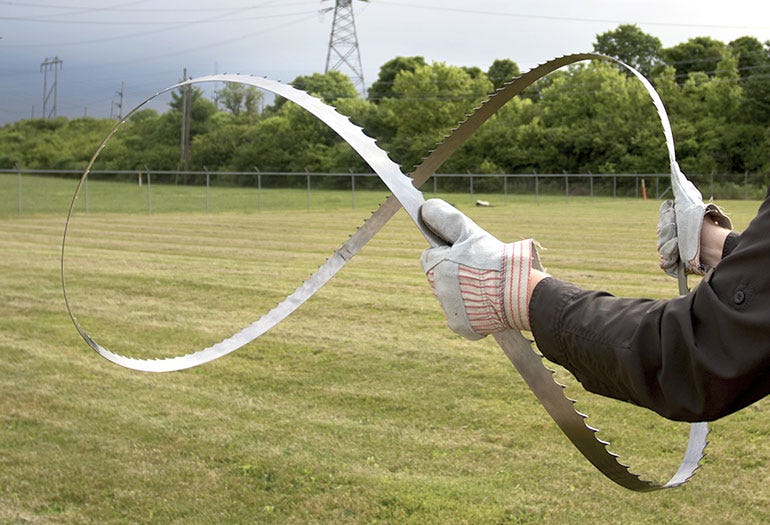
(496, 300)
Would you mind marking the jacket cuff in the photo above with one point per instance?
(730, 243)
(549, 298)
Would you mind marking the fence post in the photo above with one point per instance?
(308, 189)
(434, 185)
(590, 184)
(614, 186)
(712, 184)
(657, 189)
(208, 184)
(259, 190)
(505, 188)
(353, 188)
(636, 187)
(86, 195)
(149, 190)
(18, 171)
(566, 186)
(746, 185)
(471, 188)
(537, 189)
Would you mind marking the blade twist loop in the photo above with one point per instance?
(519, 350)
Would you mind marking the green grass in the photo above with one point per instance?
(361, 407)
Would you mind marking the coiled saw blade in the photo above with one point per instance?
(405, 193)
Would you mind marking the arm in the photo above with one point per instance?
(696, 357)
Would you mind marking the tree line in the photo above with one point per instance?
(590, 118)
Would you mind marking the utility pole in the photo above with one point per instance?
(50, 64)
(186, 117)
(343, 50)
(119, 104)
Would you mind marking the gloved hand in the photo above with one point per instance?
(682, 234)
(481, 283)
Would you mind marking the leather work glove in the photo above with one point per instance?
(480, 282)
(679, 232)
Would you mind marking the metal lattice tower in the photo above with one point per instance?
(50, 64)
(343, 54)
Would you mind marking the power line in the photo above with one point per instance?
(560, 18)
(151, 31)
(120, 8)
(74, 10)
(208, 20)
(211, 45)
(123, 9)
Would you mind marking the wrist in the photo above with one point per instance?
(712, 241)
(535, 277)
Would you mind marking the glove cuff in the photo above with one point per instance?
(718, 216)
(518, 259)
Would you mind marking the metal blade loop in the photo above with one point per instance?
(518, 349)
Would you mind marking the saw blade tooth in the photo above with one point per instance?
(563, 387)
(593, 429)
(584, 416)
(616, 457)
(625, 466)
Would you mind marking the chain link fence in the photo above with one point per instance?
(29, 189)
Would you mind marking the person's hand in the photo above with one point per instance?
(481, 283)
(679, 233)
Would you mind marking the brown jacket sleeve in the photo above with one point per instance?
(694, 358)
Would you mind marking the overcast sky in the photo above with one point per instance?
(146, 43)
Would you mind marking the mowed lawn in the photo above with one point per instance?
(362, 407)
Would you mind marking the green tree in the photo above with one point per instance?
(216, 149)
(383, 86)
(500, 145)
(756, 102)
(428, 102)
(201, 110)
(752, 55)
(631, 45)
(699, 54)
(269, 146)
(59, 143)
(240, 99)
(291, 139)
(329, 87)
(754, 68)
(473, 71)
(502, 71)
(716, 117)
(147, 139)
(705, 118)
(594, 118)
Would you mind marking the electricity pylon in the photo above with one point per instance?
(50, 64)
(343, 54)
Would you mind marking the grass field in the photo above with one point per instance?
(362, 407)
